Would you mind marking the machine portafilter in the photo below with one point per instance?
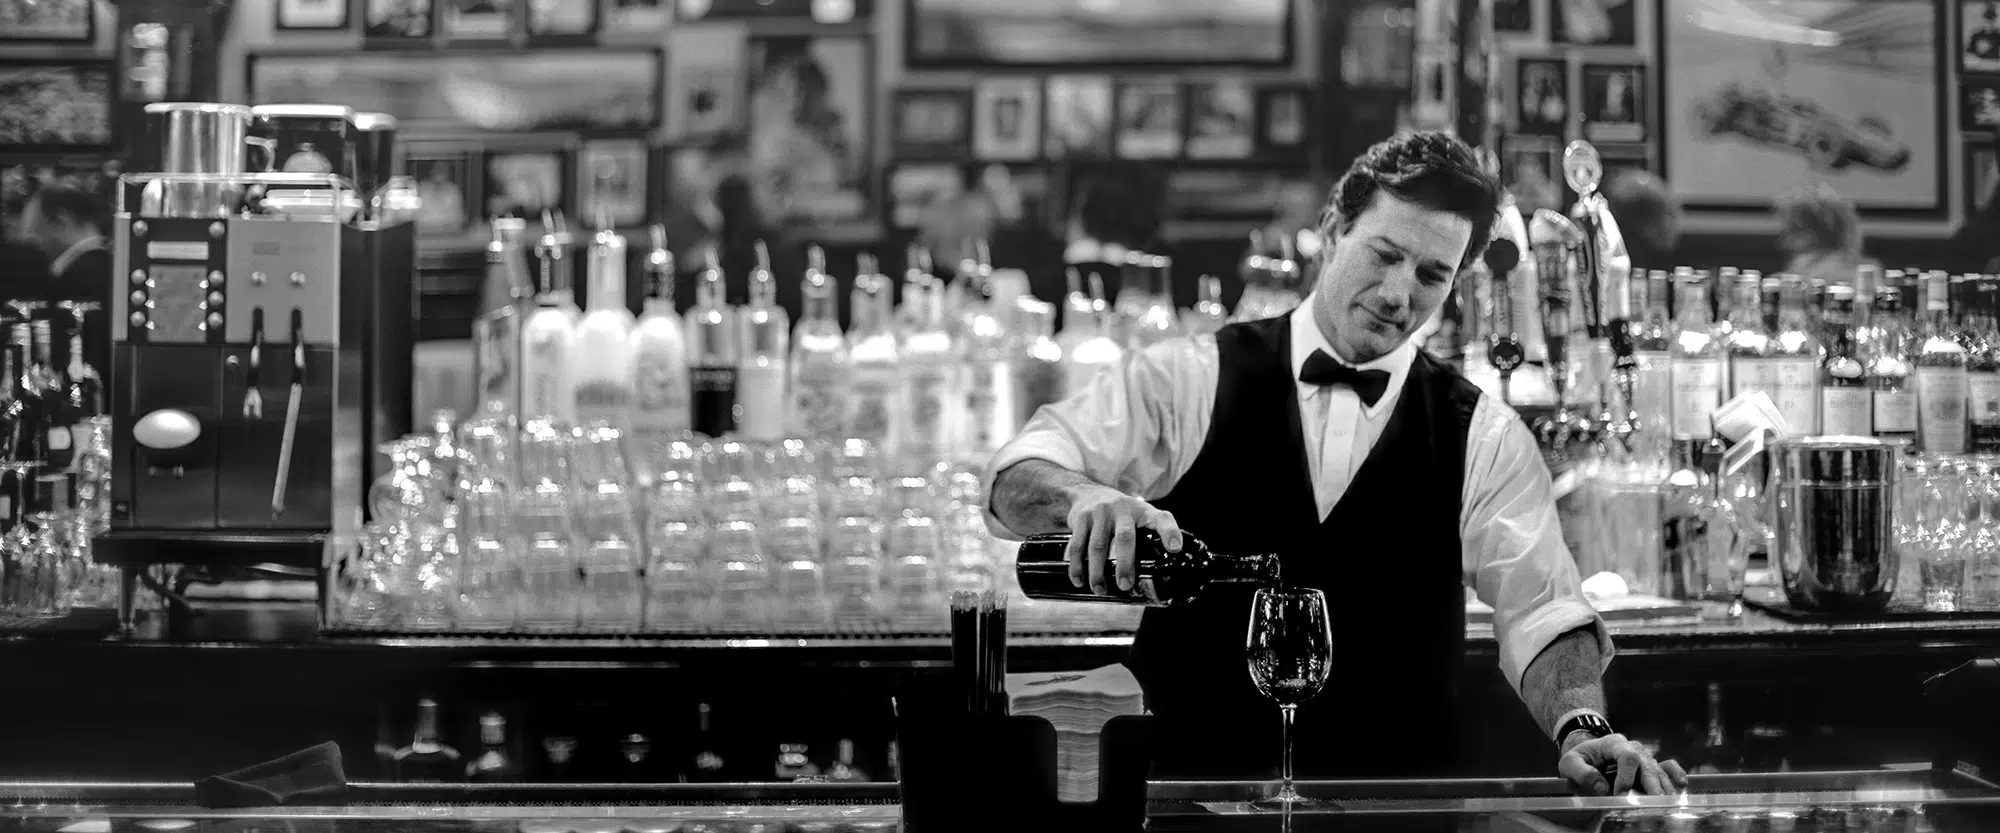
(1556, 242)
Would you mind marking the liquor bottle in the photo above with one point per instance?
(872, 411)
(793, 763)
(1893, 398)
(1773, 300)
(761, 377)
(1079, 318)
(637, 751)
(843, 770)
(557, 267)
(1941, 375)
(1697, 363)
(1716, 753)
(707, 766)
(929, 380)
(1038, 371)
(1846, 406)
(1652, 350)
(1748, 343)
(986, 368)
(85, 388)
(507, 303)
(492, 765)
(48, 383)
(1155, 320)
(1082, 362)
(1794, 359)
(428, 759)
(659, 352)
(1161, 578)
(601, 360)
(1983, 366)
(712, 360)
(28, 417)
(1208, 314)
(821, 366)
(559, 759)
(548, 341)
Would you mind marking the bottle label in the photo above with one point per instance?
(989, 407)
(660, 396)
(872, 409)
(927, 403)
(1697, 387)
(545, 382)
(819, 402)
(714, 400)
(602, 399)
(760, 391)
(1983, 397)
(1846, 411)
(1895, 412)
(1941, 394)
(1795, 390)
(1748, 374)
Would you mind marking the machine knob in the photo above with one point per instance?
(138, 277)
(215, 299)
(138, 319)
(138, 298)
(215, 319)
(166, 429)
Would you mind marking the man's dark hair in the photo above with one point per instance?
(1648, 215)
(1122, 203)
(1431, 169)
(70, 203)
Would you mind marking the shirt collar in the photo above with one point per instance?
(1306, 338)
(76, 250)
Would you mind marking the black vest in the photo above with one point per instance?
(1387, 557)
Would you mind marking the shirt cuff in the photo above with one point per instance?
(1028, 446)
(1527, 637)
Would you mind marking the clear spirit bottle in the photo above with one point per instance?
(1749, 345)
(872, 411)
(659, 353)
(1038, 374)
(1794, 359)
(493, 765)
(601, 361)
(1893, 396)
(548, 340)
(1697, 361)
(1941, 373)
(988, 367)
(428, 759)
(931, 398)
(761, 379)
(1983, 365)
(1653, 388)
(497, 331)
(821, 367)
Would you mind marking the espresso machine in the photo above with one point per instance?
(260, 339)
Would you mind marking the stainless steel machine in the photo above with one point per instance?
(261, 338)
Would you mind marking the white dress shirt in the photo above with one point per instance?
(1138, 428)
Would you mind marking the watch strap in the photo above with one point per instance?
(1586, 721)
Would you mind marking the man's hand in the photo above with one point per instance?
(1104, 525)
(1587, 761)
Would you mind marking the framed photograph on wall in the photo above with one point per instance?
(1515, 17)
(1596, 22)
(637, 15)
(611, 180)
(1007, 119)
(447, 180)
(825, 84)
(1531, 167)
(1436, 101)
(55, 106)
(312, 15)
(1979, 36)
(1746, 118)
(1982, 177)
(1620, 158)
(479, 20)
(1078, 121)
(930, 124)
(524, 183)
(707, 79)
(1283, 120)
(1085, 33)
(1150, 118)
(1614, 103)
(397, 22)
(598, 89)
(1541, 96)
(49, 21)
(562, 19)
(1979, 104)
(1222, 119)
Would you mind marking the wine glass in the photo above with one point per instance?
(1290, 648)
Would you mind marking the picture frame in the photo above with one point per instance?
(1078, 116)
(311, 15)
(1618, 158)
(1007, 119)
(557, 20)
(637, 15)
(1868, 120)
(1605, 23)
(398, 23)
(1436, 102)
(1614, 105)
(1541, 96)
(86, 120)
(1979, 104)
(447, 178)
(1978, 36)
(1072, 35)
(1284, 120)
(1223, 194)
(460, 21)
(612, 181)
(912, 191)
(827, 81)
(1152, 118)
(599, 89)
(1982, 177)
(525, 182)
(708, 78)
(48, 21)
(1531, 168)
(1221, 119)
(931, 124)
(1513, 17)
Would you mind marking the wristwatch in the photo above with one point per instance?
(1590, 723)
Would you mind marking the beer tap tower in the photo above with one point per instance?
(258, 326)
(1603, 274)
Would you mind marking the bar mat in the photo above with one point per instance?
(81, 622)
(857, 634)
(1896, 612)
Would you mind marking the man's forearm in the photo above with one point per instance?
(1033, 497)
(1566, 676)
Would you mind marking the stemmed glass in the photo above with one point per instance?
(1290, 649)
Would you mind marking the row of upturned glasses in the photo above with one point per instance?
(1948, 532)
(46, 570)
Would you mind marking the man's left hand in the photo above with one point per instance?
(1612, 765)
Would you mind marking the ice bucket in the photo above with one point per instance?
(1836, 514)
(198, 138)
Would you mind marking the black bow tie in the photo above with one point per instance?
(1321, 369)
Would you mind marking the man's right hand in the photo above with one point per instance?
(1104, 526)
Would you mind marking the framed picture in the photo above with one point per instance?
(55, 106)
(1222, 119)
(1531, 167)
(445, 180)
(1541, 95)
(1007, 119)
(479, 20)
(708, 77)
(52, 21)
(1982, 177)
(1223, 194)
(562, 18)
(1078, 123)
(637, 15)
(1079, 33)
(1614, 102)
(917, 190)
(1597, 22)
(1435, 105)
(312, 15)
(1282, 120)
(19, 181)
(1150, 118)
(611, 180)
(1620, 158)
(1979, 104)
(1744, 118)
(816, 94)
(931, 124)
(389, 22)
(603, 88)
(1979, 35)
(524, 183)
(1514, 16)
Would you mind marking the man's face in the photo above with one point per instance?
(1384, 276)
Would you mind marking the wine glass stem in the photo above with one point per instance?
(1285, 791)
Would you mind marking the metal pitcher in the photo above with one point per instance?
(1836, 501)
(198, 139)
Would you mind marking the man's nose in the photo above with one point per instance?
(1394, 291)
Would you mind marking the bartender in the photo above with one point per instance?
(1376, 473)
(67, 224)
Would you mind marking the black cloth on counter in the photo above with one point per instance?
(308, 777)
(1387, 557)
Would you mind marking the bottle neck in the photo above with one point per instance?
(607, 282)
(819, 306)
(427, 725)
(709, 293)
(1693, 312)
(1748, 314)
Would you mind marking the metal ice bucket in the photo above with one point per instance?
(1836, 522)
(198, 138)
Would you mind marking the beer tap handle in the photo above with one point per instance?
(291, 435)
(253, 392)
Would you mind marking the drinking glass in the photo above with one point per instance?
(1290, 648)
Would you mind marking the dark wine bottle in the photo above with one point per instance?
(1163, 579)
